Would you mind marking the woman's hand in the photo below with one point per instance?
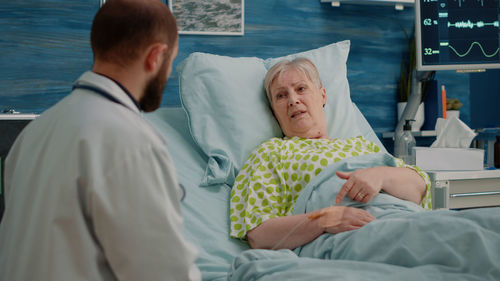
(337, 219)
(301, 229)
(361, 185)
(364, 184)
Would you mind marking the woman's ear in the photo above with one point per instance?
(323, 95)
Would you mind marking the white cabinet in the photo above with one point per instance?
(465, 189)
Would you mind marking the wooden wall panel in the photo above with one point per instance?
(44, 47)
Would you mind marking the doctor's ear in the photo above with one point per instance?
(155, 56)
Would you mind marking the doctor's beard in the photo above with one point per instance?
(154, 90)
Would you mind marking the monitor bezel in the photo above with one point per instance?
(431, 67)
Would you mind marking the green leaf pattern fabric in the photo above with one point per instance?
(272, 178)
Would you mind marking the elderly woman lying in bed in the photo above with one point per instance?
(268, 185)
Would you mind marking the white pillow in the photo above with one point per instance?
(228, 112)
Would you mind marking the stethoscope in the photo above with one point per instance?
(109, 97)
(104, 94)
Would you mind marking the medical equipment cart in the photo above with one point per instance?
(465, 189)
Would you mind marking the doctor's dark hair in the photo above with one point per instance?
(122, 29)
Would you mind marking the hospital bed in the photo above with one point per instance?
(224, 116)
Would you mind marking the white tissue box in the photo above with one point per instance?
(449, 159)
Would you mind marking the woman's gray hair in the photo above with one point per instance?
(304, 65)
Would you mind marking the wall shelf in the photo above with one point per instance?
(398, 4)
(425, 133)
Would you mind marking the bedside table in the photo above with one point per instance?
(465, 189)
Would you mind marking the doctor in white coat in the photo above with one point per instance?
(91, 192)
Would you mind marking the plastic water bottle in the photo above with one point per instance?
(407, 144)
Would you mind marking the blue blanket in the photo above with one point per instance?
(404, 243)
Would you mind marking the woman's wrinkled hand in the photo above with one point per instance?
(337, 219)
(361, 185)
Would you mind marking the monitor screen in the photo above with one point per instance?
(457, 34)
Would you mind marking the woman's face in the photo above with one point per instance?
(298, 105)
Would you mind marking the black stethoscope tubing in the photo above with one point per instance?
(99, 92)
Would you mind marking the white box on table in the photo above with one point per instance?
(449, 159)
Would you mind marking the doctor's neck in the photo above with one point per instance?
(129, 76)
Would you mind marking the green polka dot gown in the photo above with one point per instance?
(271, 180)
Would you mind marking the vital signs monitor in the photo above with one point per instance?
(457, 34)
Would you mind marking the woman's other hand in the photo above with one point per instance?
(337, 219)
(361, 185)
(364, 184)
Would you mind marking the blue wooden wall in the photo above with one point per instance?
(44, 47)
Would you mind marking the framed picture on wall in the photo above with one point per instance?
(209, 17)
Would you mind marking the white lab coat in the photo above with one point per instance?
(92, 194)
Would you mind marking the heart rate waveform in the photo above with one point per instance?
(470, 48)
(471, 25)
(461, 1)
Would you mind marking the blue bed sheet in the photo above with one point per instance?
(404, 243)
(205, 209)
